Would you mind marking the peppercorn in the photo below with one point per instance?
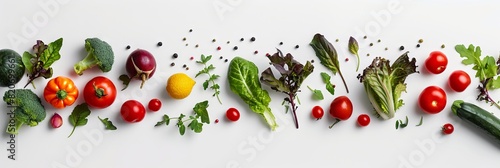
(371, 44)
(442, 46)
(128, 47)
(218, 48)
(235, 48)
(379, 40)
(228, 42)
(281, 43)
(365, 37)
(418, 45)
(221, 57)
(175, 55)
(255, 52)
(196, 45)
(242, 39)
(420, 40)
(159, 44)
(190, 30)
(213, 40)
(184, 66)
(225, 60)
(172, 64)
(402, 48)
(296, 46)
(312, 61)
(184, 39)
(252, 39)
(337, 40)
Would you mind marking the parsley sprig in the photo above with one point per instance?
(212, 77)
(196, 121)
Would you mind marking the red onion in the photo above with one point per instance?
(141, 64)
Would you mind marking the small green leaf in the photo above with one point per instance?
(397, 124)
(182, 129)
(317, 95)
(51, 54)
(108, 124)
(79, 116)
(165, 120)
(125, 80)
(205, 84)
(330, 88)
(27, 61)
(201, 111)
(421, 121)
(326, 78)
(353, 46)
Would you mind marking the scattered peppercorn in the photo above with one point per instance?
(365, 37)
(213, 40)
(296, 46)
(337, 40)
(267, 55)
(184, 66)
(216, 121)
(172, 64)
(221, 57)
(242, 39)
(190, 30)
(255, 52)
(228, 42)
(418, 45)
(128, 47)
(225, 60)
(420, 40)
(184, 39)
(187, 44)
(402, 48)
(196, 45)
(235, 48)
(346, 59)
(368, 54)
(191, 58)
(281, 43)
(218, 48)
(252, 39)
(371, 44)
(379, 40)
(312, 61)
(175, 55)
(386, 48)
(187, 68)
(442, 46)
(159, 44)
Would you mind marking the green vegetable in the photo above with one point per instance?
(243, 77)
(384, 83)
(421, 121)
(108, 124)
(212, 77)
(196, 121)
(292, 74)
(317, 94)
(487, 71)
(125, 80)
(353, 48)
(477, 116)
(27, 109)
(99, 53)
(329, 86)
(38, 64)
(79, 116)
(400, 124)
(327, 55)
(11, 67)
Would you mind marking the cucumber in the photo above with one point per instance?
(477, 116)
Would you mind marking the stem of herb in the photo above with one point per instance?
(357, 67)
(343, 80)
(291, 97)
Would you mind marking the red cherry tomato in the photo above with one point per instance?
(154, 105)
(99, 92)
(317, 112)
(432, 100)
(340, 109)
(132, 111)
(448, 128)
(363, 120)
(232, 114)
(459, 80)
(436, 62)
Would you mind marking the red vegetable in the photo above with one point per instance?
(459, 80)
(436, 62)
(232, 114)
(132, 111)
(56, 121)
(154, 105)
(317, 112)
(141, 64)
(448, 128)
(99, 92)
(341, 109)
(363, 120)
(432, 99)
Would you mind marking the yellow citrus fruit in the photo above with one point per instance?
(179, 85)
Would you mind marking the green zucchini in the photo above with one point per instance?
(477, 116)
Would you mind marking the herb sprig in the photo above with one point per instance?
(329, 86)
(196, 121)
(38, 64)
(212, 77)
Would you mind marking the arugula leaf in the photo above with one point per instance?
(79, 116)
(353, 48)
(316, 93)
(327, 55)
(243, 78)
(108, 124)
(211, 77)
(125, 80)
(329, 86)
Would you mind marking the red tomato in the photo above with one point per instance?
(232, 114)
(154, 105)
(436, 62)
(459, 80)
(99, 92)
(132, 111)
(317, 112)
(432, 99)
(341, 109)
(363, 120)
(448, 128)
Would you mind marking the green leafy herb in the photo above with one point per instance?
(292, 74)
(107, 123)
(329, 86)
(353, 48)
(38, 64)
(211, 77)
(196, 121)
(400, 124)
(384, 83)
(316, 93)
(327, 55)
(421, 121)
(79, 116)
(487, 71)
(243, 77)
(125, 80)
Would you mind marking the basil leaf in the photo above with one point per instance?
(79, 116)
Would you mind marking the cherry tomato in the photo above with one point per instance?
(363, 120)
(448, 128)
(340, 109)
(99, 92)
(436, 62)
(432, 100)
(317, 112)
(459, 80)
(132, 111)
(232, 114)
(154, 105)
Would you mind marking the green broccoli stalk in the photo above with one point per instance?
(99, 52)
(27, 109)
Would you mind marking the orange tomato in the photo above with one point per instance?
(60, 92)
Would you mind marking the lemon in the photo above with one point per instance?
(179, 85)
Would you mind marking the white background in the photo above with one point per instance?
(249, 142)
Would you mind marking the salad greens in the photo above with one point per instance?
(487, 71)
(243, 77)
(292, 74)
(327, 55)
(38, 64)
(199, 118)
(384, 83)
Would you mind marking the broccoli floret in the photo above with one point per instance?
(99, 53)
(27, 108)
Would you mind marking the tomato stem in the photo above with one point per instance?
(336, 121)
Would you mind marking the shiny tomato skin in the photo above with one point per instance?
(363, 120)
(99, 92)
(341, 108)
(232, 114)
(459, 80)
(317, 112)
(436, 62)
(132, 111)
(432, 100)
